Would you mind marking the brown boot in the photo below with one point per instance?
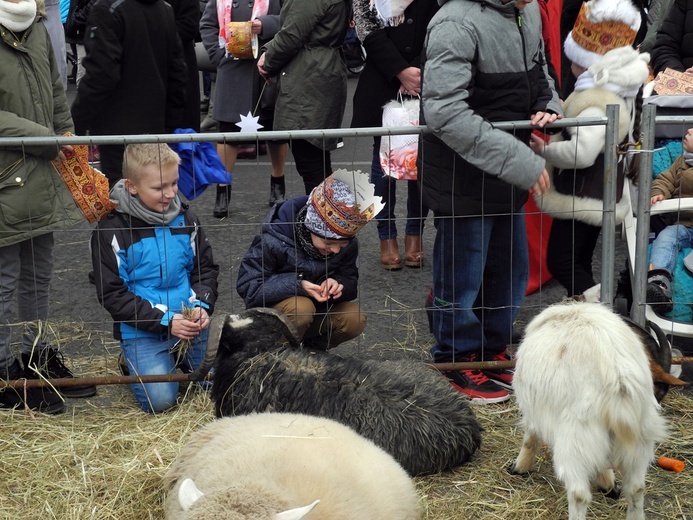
(413, 254)
(389, 254)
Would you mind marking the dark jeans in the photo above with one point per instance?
(480, 273)
(312, 163)
(386, 188)
(569, 254)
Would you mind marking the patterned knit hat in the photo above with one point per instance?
(333, 212)
(601, 26)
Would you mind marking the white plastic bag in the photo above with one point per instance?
(398, 152)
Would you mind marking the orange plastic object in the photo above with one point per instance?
(671, 464)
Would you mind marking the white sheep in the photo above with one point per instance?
(584, 387)
(286, 466)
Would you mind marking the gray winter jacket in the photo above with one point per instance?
(483, 62)
(33, 198)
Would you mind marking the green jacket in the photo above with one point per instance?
(306, 56)
(33, 198)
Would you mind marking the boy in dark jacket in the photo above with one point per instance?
(304, 263)
(154, 273)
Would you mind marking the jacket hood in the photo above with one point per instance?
(497, 4)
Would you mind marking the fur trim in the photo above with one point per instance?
(583, 209)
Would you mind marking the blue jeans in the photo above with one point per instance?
(151, 356)
(480, 274)
(667, 245)
(385, 187)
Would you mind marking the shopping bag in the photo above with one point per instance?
(398, 152)
(87, 185)
(200, 166)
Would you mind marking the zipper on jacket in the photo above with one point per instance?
(524, 48)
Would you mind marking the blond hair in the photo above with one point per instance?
(137, 156)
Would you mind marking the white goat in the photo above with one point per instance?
(584, 387)
(271, 465)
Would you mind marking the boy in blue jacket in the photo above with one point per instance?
(151, 259)
(304, 263)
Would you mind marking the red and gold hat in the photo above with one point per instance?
(601, 26)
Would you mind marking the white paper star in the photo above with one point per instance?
(249, 123)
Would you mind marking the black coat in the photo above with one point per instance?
(674, 45)
(135, 75)
(187, 13)
(389, 51)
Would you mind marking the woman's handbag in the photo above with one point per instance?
(398, 152)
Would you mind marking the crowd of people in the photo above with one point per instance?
(471, 63)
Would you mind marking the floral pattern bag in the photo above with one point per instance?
(398, 152)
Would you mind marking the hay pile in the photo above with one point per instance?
(105, 459)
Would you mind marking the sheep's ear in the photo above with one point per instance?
(296, 514)
(188, 494)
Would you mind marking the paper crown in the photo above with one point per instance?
(342, 204)
(601, 26)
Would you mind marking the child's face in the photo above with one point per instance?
(155, 186)
(688, 141)
(327, 246)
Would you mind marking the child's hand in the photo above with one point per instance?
(183, 328)
(201, 316)
(314, 291)
(540, 119)
(331, 288)
(537, 144)
(543, 183)
(655, 199)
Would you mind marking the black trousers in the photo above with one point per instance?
(569, 254)
(312, 163)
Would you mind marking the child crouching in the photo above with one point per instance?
(151, 259)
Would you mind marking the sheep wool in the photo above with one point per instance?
(405, 408)
(256, 466)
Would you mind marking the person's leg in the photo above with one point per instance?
(667, 245)
(277, 153)
(566, 240)
(385, 188)
(416, 217)
(150, 356)
(343, 321)
(9, 278)
(312, 163)
(36, 257)
(228, 153)
(505, 282)
(459, 257)
(300, 310)
(111, 158)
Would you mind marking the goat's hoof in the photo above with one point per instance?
(512, 469)
(614, 493)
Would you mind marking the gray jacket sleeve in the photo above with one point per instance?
(447, 76)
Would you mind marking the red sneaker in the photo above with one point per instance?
(501, 376)
(479, 388)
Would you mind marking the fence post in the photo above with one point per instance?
(642, 230)
(609, 213)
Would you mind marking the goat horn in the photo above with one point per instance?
(288, 329)
(213, 338)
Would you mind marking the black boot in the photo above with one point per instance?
(221, 204)
(659, 291)
(49, 363)
(277, 190)
(43, 400)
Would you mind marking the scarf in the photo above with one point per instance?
(586, 81)
(688, 158)
(132, 205)
(303, 238)
(260, 8)
(17, 17)
(391, 12)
